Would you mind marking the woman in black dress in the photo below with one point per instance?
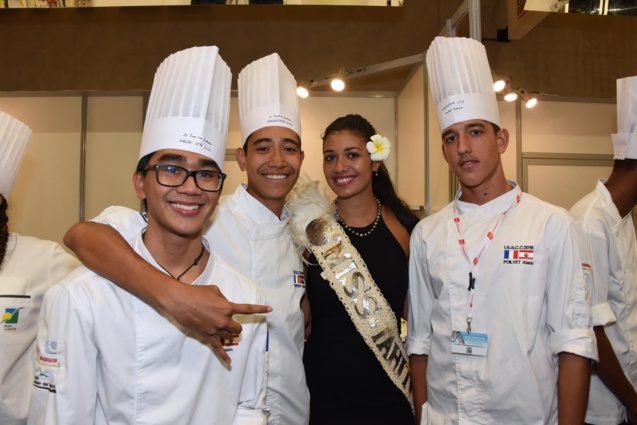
(347, 383)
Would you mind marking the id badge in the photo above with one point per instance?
(472, 344)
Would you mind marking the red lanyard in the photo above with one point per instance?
(473, 263)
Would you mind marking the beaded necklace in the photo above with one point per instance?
(360, 235)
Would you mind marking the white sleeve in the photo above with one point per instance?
(65, 383)
(420, 298)
(253, 388)
(568, 307)
(126, 221)
(59, 265)
(595, 248)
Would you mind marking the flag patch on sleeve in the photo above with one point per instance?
(299, 279)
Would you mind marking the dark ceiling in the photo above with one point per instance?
(119, 48)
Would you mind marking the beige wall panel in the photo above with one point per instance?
(410, 173)
(230, 167)
(438, 167)
(45, 198)
(234, 128)
(114, 131)
(569, 127)
(235, 177)
(564, 185)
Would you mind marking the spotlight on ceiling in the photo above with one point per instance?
(511, 96)
(531, 102)
(529, 99)
(499, 83)
(302, 92)
(338, 82)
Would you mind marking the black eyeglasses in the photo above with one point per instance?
(174, 176)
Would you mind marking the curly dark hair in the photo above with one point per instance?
(4, 229)
(381, 184)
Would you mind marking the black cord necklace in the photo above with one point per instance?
(361, 235)
(194, 263)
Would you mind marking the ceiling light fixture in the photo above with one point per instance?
(302, 92)
(338, 82)
(529, 99)
(531, 102)
(511, 96)
(499, 83)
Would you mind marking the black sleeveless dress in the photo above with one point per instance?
(347, 383)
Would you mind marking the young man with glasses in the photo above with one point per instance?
(105, 356)
(249, 230)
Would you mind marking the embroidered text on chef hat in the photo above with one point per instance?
(267, 97)
(625, 141)
(14, 136)
(461, 82)
(189, 104)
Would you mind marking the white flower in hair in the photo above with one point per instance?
(379, 147)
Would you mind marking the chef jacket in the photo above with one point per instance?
(106, 357)
(530, 300)
(256, 242)
(30, 267)
(610, 249)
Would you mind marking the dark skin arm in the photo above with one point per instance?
(573, 381)
(418, 366)
(610, 372)
(307, 314)
(202, 309)
(305, 302)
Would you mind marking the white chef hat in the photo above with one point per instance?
(267, 97)
(625, 141)
(14, 136)
(189, 104)
(461, 82)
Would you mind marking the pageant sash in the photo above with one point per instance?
(349, 277)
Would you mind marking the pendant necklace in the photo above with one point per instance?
(194, 263)
(359, 234)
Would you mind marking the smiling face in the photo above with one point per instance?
(472, 149)
(272, 160)
(347, 164)
(181, 210)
